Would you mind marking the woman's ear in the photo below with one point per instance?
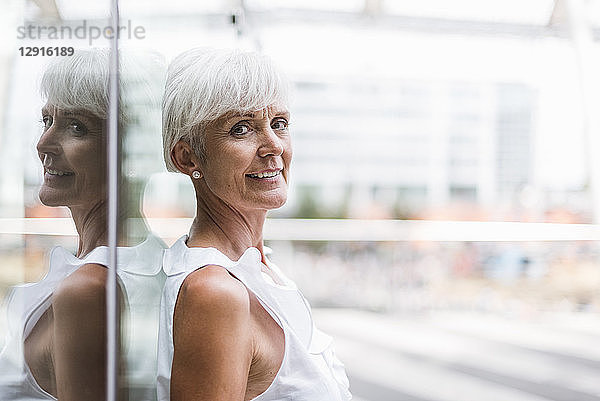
(185, 159)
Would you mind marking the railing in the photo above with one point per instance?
(347, 229)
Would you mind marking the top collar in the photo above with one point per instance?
(181, 259)
(143, 259)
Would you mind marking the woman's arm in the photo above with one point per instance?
(212, 338)
(79, 351)
(79, 305)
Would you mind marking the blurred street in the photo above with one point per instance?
(464, 356)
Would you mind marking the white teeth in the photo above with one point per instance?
(56, 172)
(265, 175)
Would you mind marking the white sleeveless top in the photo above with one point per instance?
(309, 371)
(141, 278)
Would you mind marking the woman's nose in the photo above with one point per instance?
(271, 144)
(48, 143)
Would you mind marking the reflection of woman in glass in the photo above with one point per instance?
(233, 327)
(57, 343)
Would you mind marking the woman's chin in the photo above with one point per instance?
(48, 198)
(274, 201)
(277, 206)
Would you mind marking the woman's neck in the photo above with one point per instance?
(90, 224)
(227, 229)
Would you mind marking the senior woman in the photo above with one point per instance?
(233, 327)
(56, 345)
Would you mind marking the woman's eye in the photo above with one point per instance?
(77, 127)
(279, 124)
(239, 129)
(47, 121)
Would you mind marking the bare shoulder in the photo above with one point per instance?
(215, 307)
(211, 337)
(79, 305)
(83, 288)
(212, 289)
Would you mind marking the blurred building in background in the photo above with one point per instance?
(403, 148)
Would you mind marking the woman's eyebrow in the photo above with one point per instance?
(73, 113)
(234, 115)
(80, 114)
(251, 114)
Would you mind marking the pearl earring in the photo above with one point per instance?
(196, 174)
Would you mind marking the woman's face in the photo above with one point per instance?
(248, 157)
(72, 152)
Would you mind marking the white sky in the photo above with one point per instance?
(536, 12)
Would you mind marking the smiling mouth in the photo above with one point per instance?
(269, 174)
(58, 172)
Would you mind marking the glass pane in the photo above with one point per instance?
(53, 200)
(141, 84)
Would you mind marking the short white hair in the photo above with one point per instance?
(203, 84)
(81, 81)
(78, 82)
